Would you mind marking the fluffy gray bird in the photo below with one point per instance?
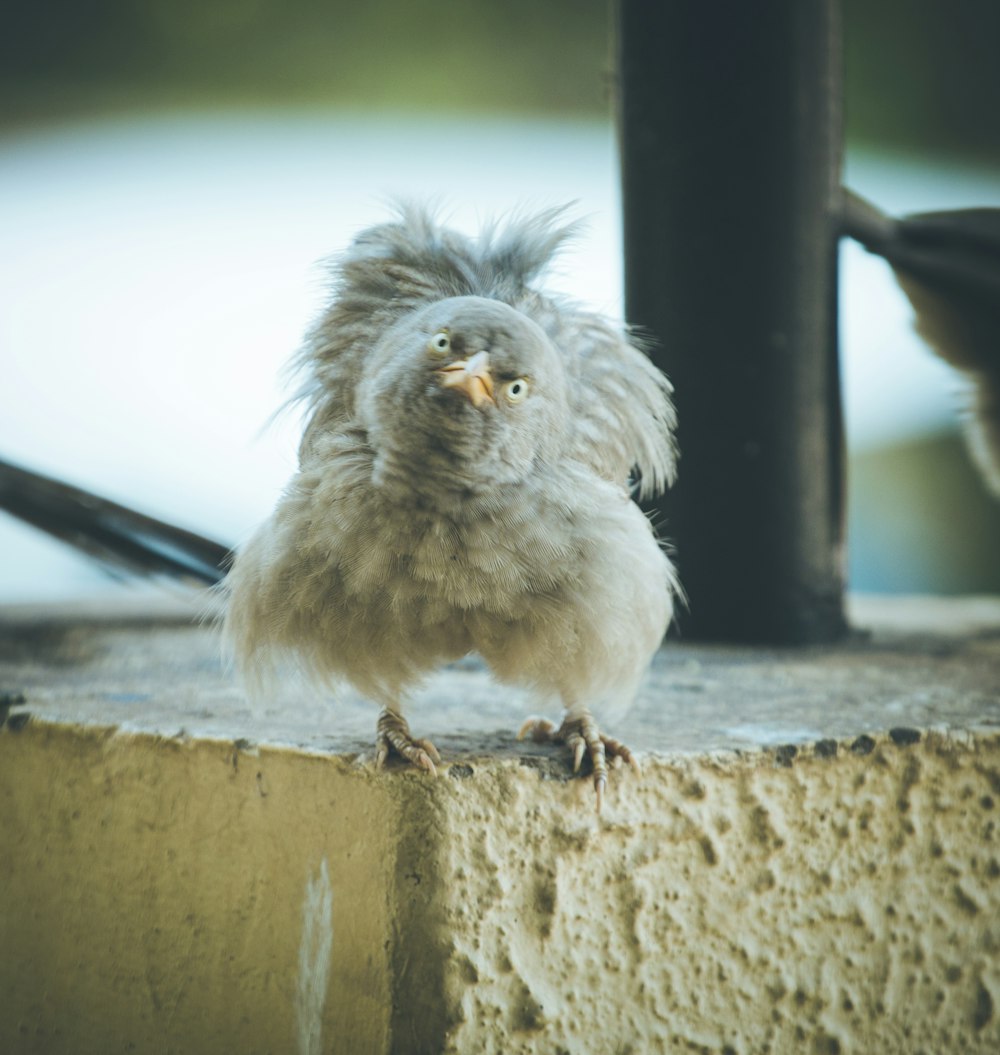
(463, 486)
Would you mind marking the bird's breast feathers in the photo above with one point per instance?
(560, 539)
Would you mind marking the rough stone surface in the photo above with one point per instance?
(144, 667)
(810, 862)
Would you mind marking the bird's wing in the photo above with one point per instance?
(948, 264)
(956, 249)
(624, 418)
(122, 539)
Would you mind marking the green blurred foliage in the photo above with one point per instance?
(924, 75)
(920, 74)
(492, 54)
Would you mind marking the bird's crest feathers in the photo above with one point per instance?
(622, 412)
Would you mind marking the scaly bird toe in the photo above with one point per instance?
(392, 736)
(583, 738)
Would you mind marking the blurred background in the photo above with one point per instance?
(172, 171)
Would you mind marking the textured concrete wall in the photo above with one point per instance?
(826, 903)
(166, 894)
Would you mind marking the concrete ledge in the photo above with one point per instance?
(822, 875)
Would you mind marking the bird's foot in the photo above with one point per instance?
(581, 735)
(392, 735)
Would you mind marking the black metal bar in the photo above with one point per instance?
(122, 538)
(730, 140)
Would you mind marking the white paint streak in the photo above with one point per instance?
(314, 961)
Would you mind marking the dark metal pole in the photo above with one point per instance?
(730, 141)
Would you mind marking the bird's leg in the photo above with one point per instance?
(580, 734)
(392, 734)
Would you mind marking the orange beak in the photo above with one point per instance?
(471, 376)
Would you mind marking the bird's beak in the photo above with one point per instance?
(471, 376)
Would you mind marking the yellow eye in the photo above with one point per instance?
(440, 344)
(516, 391)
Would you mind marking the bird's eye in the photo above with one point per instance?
(515, 391)
(440, 344)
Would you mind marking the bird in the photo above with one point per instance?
(948, 264)
(469, 470)
(468, 482)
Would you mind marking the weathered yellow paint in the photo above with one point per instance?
(152, 895)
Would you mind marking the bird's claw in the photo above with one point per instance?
(582, 736)
(392, 735)
(579, 746)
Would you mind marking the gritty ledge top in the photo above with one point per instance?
(145, 664)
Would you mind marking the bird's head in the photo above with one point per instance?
(468, 392)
